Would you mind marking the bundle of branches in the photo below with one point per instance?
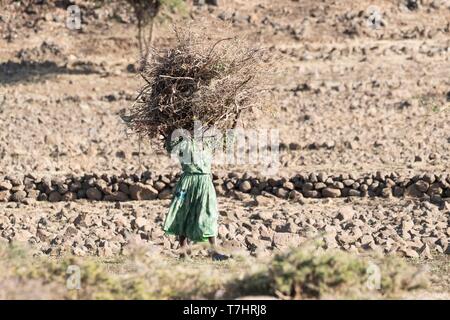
(208, 80)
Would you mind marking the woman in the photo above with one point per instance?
(193, 211)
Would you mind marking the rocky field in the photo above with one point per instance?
(361, 107)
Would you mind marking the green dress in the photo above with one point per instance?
(193, 211)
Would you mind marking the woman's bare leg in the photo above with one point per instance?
(182, 241)
(212, 241)
(182, 246)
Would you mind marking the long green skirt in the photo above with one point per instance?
(193, 210)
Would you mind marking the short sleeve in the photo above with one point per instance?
(173, 146)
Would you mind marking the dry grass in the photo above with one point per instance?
(302, 273)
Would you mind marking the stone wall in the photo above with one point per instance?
(150, 186)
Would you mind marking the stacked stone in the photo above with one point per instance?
(149, 186)
(320, 185)
(124, 187)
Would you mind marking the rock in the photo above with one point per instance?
(17, 188)
(165, 194)
(348, 182)
(294, 146)
(75, 186)
(232, 244)
(346, 213)
(354, 193)
(28, 182)
(220, 190)
(412, 191)
(245, 186)
(43, 235)
(330, 241)
(284, 239)
(94, 194)
(4, 196)
(366, 240)
(5, 185)
(429, 178)
(313, 177)
(252, 243)
(407, 225)
(422, 186)
(308, 186)
(443, 243)
(15, 180)
(274, 182)
(213, 2)
(159, 185)
(241, 196)
(54, 196)
(123, 187)
(263, 200)
(338, 185)
(311, 194)
(412, 5)
(62, 188)
(264, 215)
(222, 231)
(70, 231)
(225, 15)
(409, 253)
(295, 195)
(42, 197)
(319, 186)
(140, 191)
(281, 193)
(386, 192)
(229, 185)
(425, 252)
(33, 194)
(344, 238)
(116, 196)
(69, 196)
(288, 185)
(266, 234)
(18, 196)
(140, 222)
(435, 189)
(322, 176)
(398, 191)
(331, 193)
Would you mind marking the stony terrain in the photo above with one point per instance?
(407, 227)
(362, 115)
(349, 97)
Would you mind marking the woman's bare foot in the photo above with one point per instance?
(182, 255)
(215, 255)
(184, 250)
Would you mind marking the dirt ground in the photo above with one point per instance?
(348, 98)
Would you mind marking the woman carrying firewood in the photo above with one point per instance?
(204, 79)
(193, 211)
